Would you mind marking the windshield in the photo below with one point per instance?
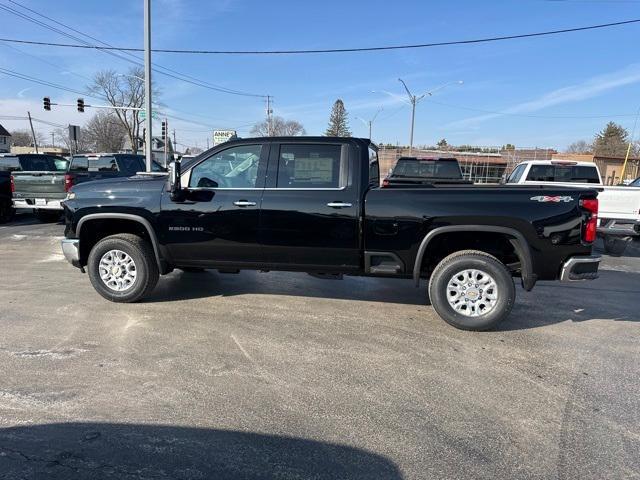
(43, 163)
(635, 183)
(415, 168)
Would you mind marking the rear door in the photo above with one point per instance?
(310, 208)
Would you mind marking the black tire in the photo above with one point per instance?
(614, 246)
(48, 216)
(458, 262)
(7, 212)
(144, 260)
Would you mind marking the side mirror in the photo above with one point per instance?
(175, 185)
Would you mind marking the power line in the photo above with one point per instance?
(107, 48)
(28, 78)
(495, 112)
(332, 50)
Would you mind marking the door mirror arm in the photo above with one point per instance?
(178, 194)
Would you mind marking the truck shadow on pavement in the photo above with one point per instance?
(106, 450)
(187, 286)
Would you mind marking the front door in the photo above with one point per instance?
(310, 208)
(217, 224)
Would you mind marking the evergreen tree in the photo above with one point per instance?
(612, 141)
(339, 121)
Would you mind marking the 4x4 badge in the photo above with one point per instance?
(552, 198)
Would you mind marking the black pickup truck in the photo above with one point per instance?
(314, 204)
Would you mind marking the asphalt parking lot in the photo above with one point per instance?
(277, 375)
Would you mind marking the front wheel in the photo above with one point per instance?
(472, 290)
(123, 268)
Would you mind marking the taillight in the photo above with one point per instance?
(13, 184)
(590, 228)
(385, 182)
(68, 182)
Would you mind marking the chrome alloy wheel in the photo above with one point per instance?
(472, 292)
(117, 270)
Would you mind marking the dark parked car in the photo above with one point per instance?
(6, 203)
(314, 204)
(100, 166)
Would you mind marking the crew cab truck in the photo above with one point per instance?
(619, 215)
(315, 205)
(38, 183)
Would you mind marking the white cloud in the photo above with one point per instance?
(592, 87)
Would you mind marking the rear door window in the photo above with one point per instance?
(563, 174)
(312, 166)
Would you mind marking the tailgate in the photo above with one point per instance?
(620, 202)
(32, 184)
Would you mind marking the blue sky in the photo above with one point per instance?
(579, 75)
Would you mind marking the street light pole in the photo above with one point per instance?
(148, 144)
(413, 101)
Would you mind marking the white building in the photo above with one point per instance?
(5, 140)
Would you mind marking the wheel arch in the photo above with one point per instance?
(517, 240)
(128, 217)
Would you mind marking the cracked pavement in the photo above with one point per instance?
(287, 376)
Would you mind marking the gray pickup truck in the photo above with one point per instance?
(38, 183)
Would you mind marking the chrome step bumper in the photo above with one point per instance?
(71, 251)
(580, 268)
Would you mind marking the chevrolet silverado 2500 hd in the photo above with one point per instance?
(314, 204)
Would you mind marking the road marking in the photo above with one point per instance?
(240, 347)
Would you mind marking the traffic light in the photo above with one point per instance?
(47, 103)
(164, 130)
(81, 105)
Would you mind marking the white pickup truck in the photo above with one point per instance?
(619, 207)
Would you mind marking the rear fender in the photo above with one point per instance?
(517, 240)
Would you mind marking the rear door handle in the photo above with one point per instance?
(244, 203)
(338, 205)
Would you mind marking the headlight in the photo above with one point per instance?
(70, 196)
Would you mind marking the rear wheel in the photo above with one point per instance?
(123, 268)
(614, 245)
(472, 290)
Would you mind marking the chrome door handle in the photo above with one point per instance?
(338, 205)
(244, 203)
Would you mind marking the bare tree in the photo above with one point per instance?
(279, 128)
(123, 90)
(581, 147)
(105, 133)
(23, 138)
(84, 145)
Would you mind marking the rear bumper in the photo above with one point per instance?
(580, 268)
(40, 204)
(619, 227)
(71, 251)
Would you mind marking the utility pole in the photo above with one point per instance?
(174, 141)
(369, 123)
(269, 112)
(53, 139)
(33, 133)
(148, 145)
